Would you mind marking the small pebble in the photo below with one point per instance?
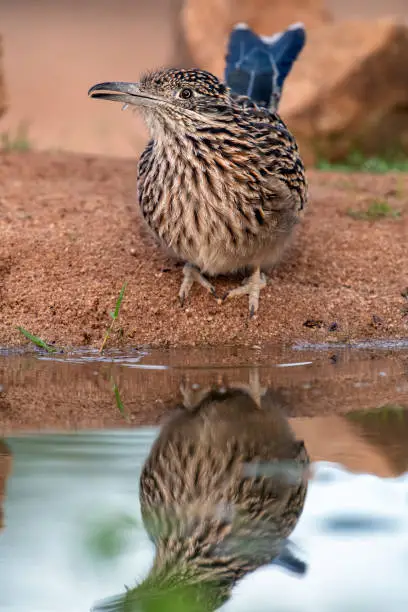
(333, 327)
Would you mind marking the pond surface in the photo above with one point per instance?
(207, 455)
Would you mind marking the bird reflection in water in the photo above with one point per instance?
(5, 469)
(223, 487)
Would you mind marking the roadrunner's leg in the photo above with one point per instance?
(252, 287)
(193, 394)
(254, 387)
(193, 275)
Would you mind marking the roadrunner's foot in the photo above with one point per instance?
(253, 387)
(252, 287)
(193, 394)
(193, 275)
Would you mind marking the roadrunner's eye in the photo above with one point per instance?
(186, 93)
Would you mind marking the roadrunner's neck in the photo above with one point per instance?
(194, 136)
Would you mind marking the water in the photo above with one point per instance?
(78, 431)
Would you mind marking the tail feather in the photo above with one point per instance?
(289, 560)
(257, 66)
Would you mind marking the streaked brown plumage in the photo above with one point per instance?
(221, 183)
(222, 488)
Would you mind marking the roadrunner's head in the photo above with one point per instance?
(170, 99)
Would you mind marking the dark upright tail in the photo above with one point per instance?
(257, 66)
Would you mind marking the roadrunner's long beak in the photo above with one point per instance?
(126, 93)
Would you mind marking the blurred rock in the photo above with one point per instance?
(3, 104)
(349, 90)
(207, 23)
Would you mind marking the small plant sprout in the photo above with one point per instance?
(114, 316)
(376, 210)
(356, 161)
(37, 341)
(118, 398)
(18, 142)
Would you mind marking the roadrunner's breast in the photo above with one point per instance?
(224, 199)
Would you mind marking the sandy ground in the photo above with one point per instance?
(70, 239)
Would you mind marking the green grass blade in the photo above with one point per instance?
(36, 340)
(119, 301)
(356, 161)
(113, 315)
(118, 399)
(377, 210)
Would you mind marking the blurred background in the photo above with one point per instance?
(54, 51)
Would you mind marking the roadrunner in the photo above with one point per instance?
(222, 489)
(221, 183)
